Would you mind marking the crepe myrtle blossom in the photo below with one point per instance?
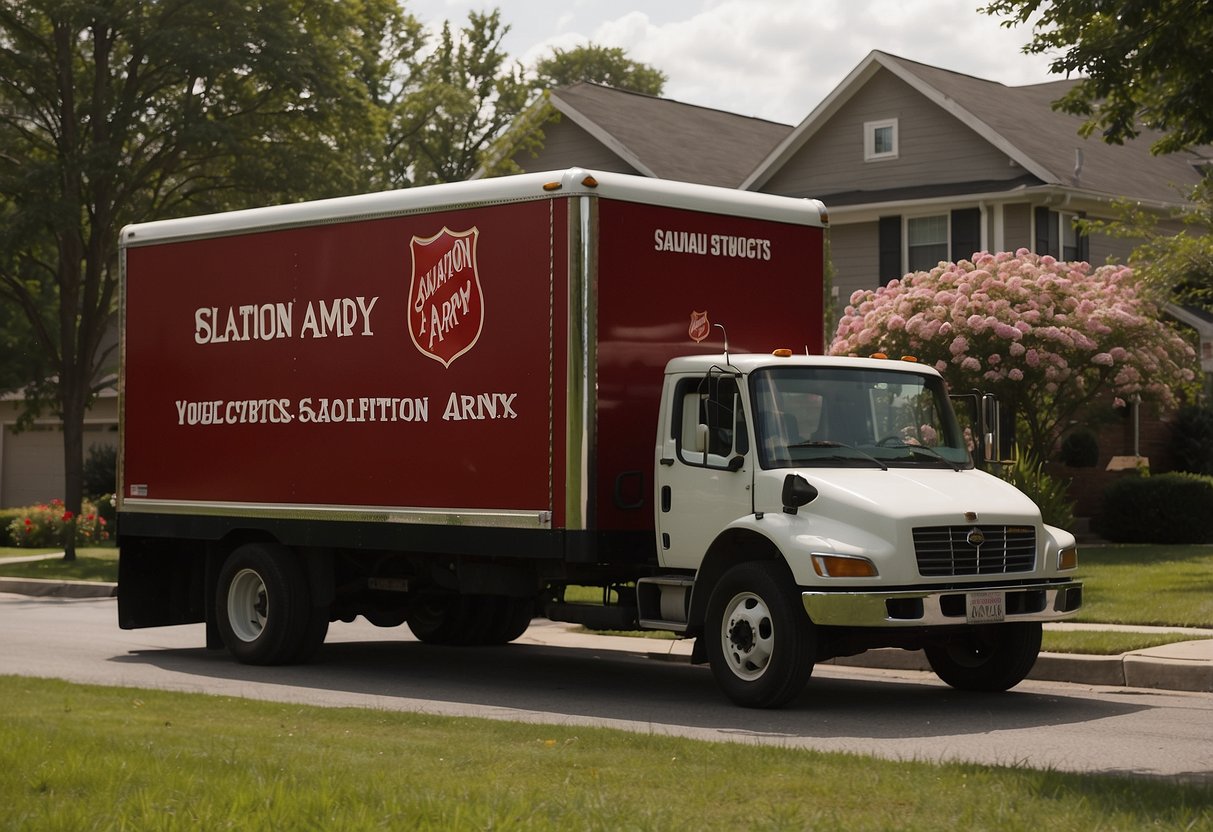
(1048, 337)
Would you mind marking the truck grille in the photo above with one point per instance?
(974, 550)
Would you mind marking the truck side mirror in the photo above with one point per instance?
(797, 492)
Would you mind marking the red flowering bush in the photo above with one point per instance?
(1047, 337)
(48, 525)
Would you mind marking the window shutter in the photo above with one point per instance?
(890, 249)
(1046, 233)
(966, 233)
(1084, 242)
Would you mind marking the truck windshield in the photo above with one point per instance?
(850, 417)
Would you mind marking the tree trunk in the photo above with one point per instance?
(73, 464)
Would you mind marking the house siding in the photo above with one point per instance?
(855, 254)
(1017, 226)
(932, 147)
(567, 145)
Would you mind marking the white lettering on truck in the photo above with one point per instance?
(340, 317)
(717, 245)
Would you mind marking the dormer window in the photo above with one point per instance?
(880, 140)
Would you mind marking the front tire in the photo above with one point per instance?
(760, 642)
(263, 607)
(992, 658)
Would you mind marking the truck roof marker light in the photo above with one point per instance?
(843, 566)
(590, 182)
(913, 359)
(880, 355)
(552, 186)
(782, 352)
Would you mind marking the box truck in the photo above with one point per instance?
(443, 407)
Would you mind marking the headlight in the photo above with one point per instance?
(1067, 558)
(843, 566)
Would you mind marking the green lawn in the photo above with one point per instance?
(98, 563)
(1141, 584)
(80, 757)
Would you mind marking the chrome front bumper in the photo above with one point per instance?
(933, 608)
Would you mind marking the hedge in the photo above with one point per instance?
(1162, 508)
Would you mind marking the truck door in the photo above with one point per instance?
(704, 472)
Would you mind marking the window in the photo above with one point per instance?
(710, 425)
(1069, 237)
(880, 140)
(926, 242)
(1057, 236)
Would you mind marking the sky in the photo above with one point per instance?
(772, 59)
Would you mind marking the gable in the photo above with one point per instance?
(567, 145)
(933, 147)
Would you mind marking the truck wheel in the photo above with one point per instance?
(992, 658)
(760, 642)
(512, 618)
(433, 618)
(263, 607)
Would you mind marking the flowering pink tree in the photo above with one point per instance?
(1048, 338)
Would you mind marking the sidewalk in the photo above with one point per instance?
(1182, 665)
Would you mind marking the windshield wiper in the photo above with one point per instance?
(825, 443)
(931, 452)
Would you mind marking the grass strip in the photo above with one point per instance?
(92, 564)
(1106, 643)
(18, 552)
(92, 758)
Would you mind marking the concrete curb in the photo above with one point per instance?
(1127, 670)
(52, 588)
(1186, 668)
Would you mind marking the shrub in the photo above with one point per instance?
(7, 516)
(1164, 508)
(1050, 494)
(1080, 449)
(1192, 439)
(1048, 338)
(47, 525)
(101, 471)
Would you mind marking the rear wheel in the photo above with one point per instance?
(263, 607)
(996, 657)
(470, 620)
(760, 642)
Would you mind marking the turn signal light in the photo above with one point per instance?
(1068, 558)
(838, 566)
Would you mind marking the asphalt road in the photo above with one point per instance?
(892, 714)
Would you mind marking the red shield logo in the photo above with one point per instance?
(700, 326)
(446, 305)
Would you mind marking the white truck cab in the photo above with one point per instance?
(828, 505)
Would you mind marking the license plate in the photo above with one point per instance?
(985, 607)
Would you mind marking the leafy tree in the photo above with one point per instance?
(608, 65)
(117, 110)
(1146, 62)
(470, 94)
(1177, 264)
(1048, 338)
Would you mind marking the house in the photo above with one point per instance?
(919, 164)
(31, 457)
(916, 164)
(592, 126)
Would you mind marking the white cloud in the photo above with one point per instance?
(769, 58)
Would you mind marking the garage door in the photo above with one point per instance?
(31, 462)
